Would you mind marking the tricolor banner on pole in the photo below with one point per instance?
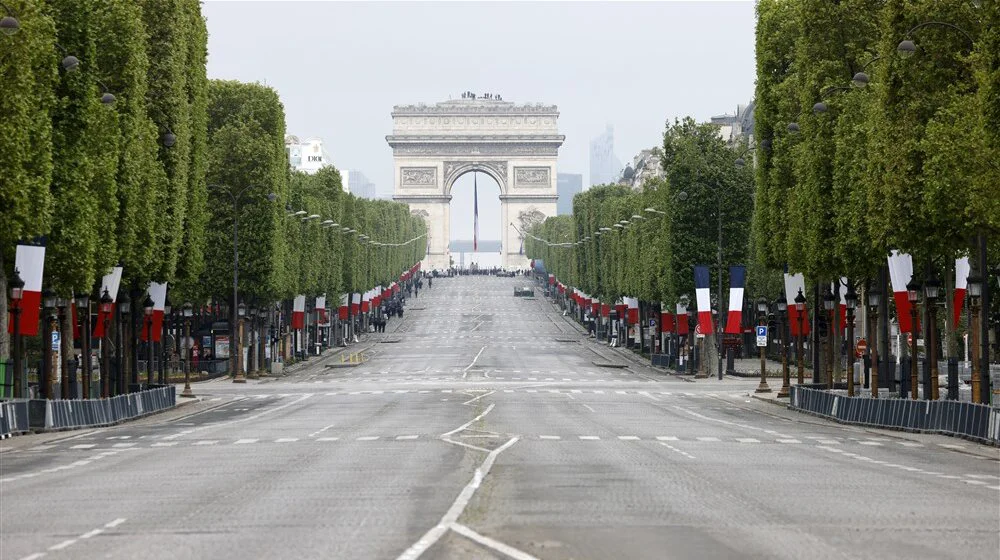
(961, 284)
(737, 282)
(321, 309)
(109, 283)
(682, 320)
(355, 304)
(343, 309)
(667, 322)
(632, 308)
(701, 280)
(299, 312)
(842, 308)
(158, 293)
(30, 264)
(901, 272)
(794, 284)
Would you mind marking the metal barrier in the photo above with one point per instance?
(41, 414)
(963, 419)
(13, 418)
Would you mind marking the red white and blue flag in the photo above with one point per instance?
(701, 277)
(30, 263)
(901, 272)
(109, 283)
(961, 284)
(737, 281)
(299, 312)
(158, 293)
(795, 284)
(475, 212)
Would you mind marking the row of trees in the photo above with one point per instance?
(153, 180)
(908, 162)
(652, 257)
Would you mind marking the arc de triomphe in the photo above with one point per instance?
(434, 145)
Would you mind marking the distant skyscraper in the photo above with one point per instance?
(360, 186)
(604, 166)
(568, 185)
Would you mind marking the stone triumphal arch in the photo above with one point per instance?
(434, 145)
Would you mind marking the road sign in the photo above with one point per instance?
(761, 335)
(652, 323)
(861, 348)
(55, 340)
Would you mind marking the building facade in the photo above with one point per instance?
(308, 156)
(568, 185)
(359, 185)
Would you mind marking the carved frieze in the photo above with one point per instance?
(532, 177)
(526, 149)
(418, 176)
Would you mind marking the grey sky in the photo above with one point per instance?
(339, 67)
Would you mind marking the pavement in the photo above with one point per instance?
(487, 426)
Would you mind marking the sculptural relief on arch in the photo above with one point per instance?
(515, 144)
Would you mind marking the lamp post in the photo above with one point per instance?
(828, 305)
(147, 311)
(975, 285)
(83, 314)
(16, 293)
(693, 338)
(9, 26)
(800, 310)
(236, 197)
(106, 304)
(762, 320)
(851, 300)
(162, 369)
(188, 313)
(60, 367)
(124, 312)
(782, 306)
(45, 382)
(932, 287)
(241, 311)
(874, 300)
(912, 293)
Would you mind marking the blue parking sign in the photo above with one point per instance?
(761, 331)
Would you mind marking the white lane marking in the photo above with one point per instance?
(63, 544)
(470, 422)
(491, 543)
(93, 533)
(207, 442)
(588, 408)
(589, 438)
(321, 430)
(407, 437)
(873, 443)
(34, 556)
(474, 399)
(675, 450)
(747, 440)
(243, 418)
(164, 444)
(666, 438)
(456, 509)
(829, 442)
(910, 444)
(549, 437)
(465, 371)
(327, 439)
(244, 441)
(367, 438)
(83, 446)
(115, 523)
(788, 441)
(646, 394)
(628, 438)
(122, 445)
(707, 438)
(286, 440)
(215, 399)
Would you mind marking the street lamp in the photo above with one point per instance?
(237, 345)
(188, 313)
(16, 293)
(9, 25)
(781, 304)
(168, 138)
(106, 304)
(125, 309)
(793, 128)
(874, 299)
(69, 62)
(147, 311)
(975, 286)
(851, 301)
(762, 320)
(912, 294)
(932, 289)
(83, 314)
(800, 310)
(828, 305)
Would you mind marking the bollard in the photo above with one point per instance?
(953, 379)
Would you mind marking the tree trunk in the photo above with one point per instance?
(66, 349)
(4, 335)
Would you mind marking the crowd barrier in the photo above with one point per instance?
(20, 416)
(978, 422)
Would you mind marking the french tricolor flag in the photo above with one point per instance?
(321, 309)
(901, 272)
(158, 293)
(299, 312)
(343, 310)
(961, 284)
(30, 263)
(366, 301)
(110, 282)
(632, 305)
(843, 303)
(355, 304)
(704, 300)
(795, 283)
(737, 281)
(682, 320)
(667, 322)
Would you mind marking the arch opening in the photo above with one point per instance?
(467, 248)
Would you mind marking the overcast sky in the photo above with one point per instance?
(339, 67)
